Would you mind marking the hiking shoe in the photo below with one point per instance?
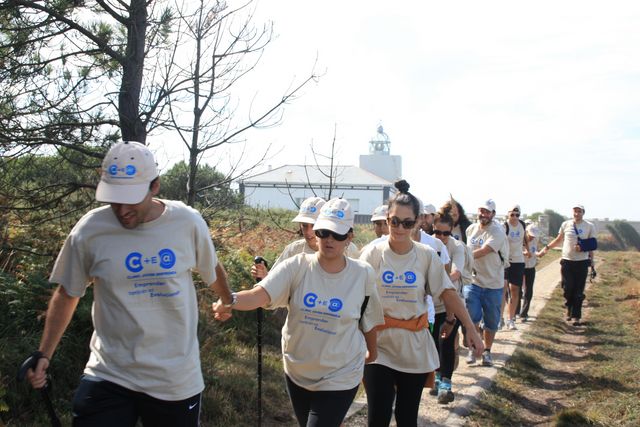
(434, 390)
(445, 395)
(576, 322)
(501, 324)
(486, 359)
(511, 325)
(471, 358)
(524, 319)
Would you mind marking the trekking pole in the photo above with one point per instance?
(30, 363)
(259, 314)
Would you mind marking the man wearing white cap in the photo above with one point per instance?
(514, 274)
(484, 296)
(575, 262)
(138, 253)
(379, 220)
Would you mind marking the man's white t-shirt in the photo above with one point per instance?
(323, 346)
(489, 270)
(585, 230)
(403, 282)
(145, 311)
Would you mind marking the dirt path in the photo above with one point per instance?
(469, 381)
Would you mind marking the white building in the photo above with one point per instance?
(287, 186)
(365, 187)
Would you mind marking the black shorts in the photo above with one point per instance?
(100, 403)
(515, 273)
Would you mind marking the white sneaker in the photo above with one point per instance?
(486, 359)
(471, 358)
(511, 325)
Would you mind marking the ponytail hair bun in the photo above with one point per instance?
(402, 186)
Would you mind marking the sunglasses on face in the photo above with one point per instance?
(394, 221)
(517, 215)
(442, 233)
(323, 234)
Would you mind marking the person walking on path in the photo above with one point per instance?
(484, 296)
(533, 232)
(379, 220)
(460, 220)
(514, 274)
(406, 272)
(445, 331)
(574, 263)
(333, 308)
(138, 253)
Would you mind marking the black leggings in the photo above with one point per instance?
(319, 408)
(529, 279)
(446, 347)
(383, 384)
(574, 279)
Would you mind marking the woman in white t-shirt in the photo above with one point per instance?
(333, 309)
(406, 272)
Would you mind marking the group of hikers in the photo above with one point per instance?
(387, 314)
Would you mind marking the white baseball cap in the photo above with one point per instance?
(335, 215)
(309, 210)
(515, 208)
(380, 213)
(489, 205)
(127, 170)
(579, 206)
(429, 209)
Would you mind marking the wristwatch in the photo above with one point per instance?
(234, 300)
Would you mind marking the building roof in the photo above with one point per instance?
(305, 175)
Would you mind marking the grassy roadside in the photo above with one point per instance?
(573, 376)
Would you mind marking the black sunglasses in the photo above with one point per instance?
(442, 233)
(323, 234)
(394, 221)
(515, 214)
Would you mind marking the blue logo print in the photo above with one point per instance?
(335, 304)
(113, 169)
(167, 258)
(132, 262)
(135, 261)
(310, 299)
(387, 276)
(130, 170)
(409, 277)
(340, 214)
(313, 209)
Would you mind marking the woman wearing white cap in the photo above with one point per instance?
(406, 271)
(333, 310)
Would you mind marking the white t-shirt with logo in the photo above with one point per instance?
(533, 248)
(302, 247)
(516, 242)
(489, 270)
(145, 311)
(585, 230)
(457, 251)
(403, 282)
(323, 347)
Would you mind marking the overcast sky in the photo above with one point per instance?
(536, 103)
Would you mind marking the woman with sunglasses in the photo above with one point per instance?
(406, 272)
(445, 331)
(460, 220)
(333, 309)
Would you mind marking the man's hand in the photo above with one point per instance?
(38, 377)
(259, 271)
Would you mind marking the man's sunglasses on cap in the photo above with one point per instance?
(394, 221)
(323, 234)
